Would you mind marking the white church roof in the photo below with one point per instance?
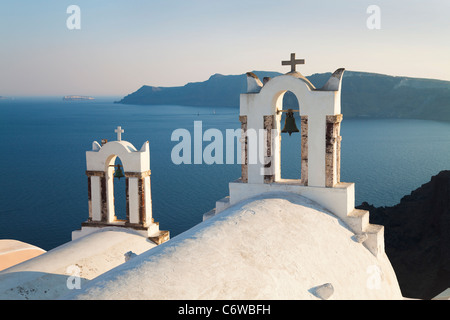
(273, 246)
(48, 275)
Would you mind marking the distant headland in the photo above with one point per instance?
(77, 98)
(364, 94)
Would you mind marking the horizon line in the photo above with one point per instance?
(217, 73)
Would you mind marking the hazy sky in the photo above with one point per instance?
(123, 45)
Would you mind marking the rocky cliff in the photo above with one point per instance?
(363, 94)
(417, 237)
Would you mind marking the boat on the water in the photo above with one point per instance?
(76, 98)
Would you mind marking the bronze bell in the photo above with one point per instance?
(118, 173)
(289, 123)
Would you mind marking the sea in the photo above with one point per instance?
(43, 185)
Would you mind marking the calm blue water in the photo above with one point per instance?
(43, 184)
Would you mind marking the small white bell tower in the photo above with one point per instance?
(100, 171)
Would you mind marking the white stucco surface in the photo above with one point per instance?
(46, 276)
(100, 157)
(273, 246)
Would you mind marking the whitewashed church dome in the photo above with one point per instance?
(273, 246)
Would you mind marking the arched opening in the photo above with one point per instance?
(290, 146)
(120, 201)
(116, 191)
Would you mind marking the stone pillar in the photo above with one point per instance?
(127, 199)
(304, 150)
(338, 156)
(332, 150)
(139, 207)
(89, 198)
(97, 195)
(244, 149)
(104, 200)
(142, 204)
(109, 213)
(269, 170)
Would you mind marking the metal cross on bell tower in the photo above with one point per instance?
(293, 62)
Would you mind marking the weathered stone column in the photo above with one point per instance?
(269, 174)
(97, 196)
(89, 198)
(304, 150)
(332, 150)
(244, 149)
(127, 198)
(142, 204)
(338, 156)
(139, 207)
(104, 202)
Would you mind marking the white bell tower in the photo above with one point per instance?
(100, 171)
(319, 180)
